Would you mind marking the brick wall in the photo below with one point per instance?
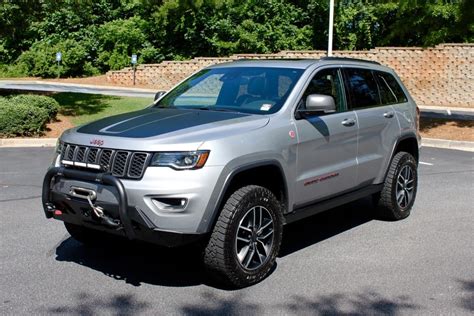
(442, 75)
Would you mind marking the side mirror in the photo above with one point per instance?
(317, 104)
(320, 103)
(159, 94)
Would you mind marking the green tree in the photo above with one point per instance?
(16, 18)
(95, 36)
(119, 39)
(211, 27)
(430, 22)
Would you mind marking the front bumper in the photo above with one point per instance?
(133, 223)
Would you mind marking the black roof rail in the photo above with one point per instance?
(350, 59)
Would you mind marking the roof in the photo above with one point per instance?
(295, 63)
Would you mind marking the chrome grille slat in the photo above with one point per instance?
(121, 163)
(63, 151)
(70, 152)
(137, 165)
(81, 154)
(105, 159)
(92, 155)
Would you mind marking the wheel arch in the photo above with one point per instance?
(251, 173)
(409, 144)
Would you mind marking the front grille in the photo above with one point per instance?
(120, 163)
(92, 156)
(106, 159)
(70, 153)
(80, 155)
(136, 168)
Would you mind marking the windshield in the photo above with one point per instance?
(257, 90)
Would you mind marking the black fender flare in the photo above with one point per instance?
(213, 209)
(402, 138)
(395, 145)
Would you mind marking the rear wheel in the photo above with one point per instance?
(246, 238)
(398, 194)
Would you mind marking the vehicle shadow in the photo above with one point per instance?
(137, 263)
(314, 229)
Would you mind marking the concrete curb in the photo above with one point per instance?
(51, 142)
(448, 144)
(28, 142)
(445, 108)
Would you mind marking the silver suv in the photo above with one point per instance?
(235, 152)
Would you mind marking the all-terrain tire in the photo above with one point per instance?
(221, 253)
(389, 206)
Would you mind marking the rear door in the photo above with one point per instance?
(327, 144)
(378, 125)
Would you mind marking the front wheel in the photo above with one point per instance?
(246, 238)
(398, 194)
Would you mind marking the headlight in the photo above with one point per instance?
(57, 151)
(181, 160)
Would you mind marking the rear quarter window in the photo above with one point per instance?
(387, 80)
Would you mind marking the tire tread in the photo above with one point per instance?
(216, 259)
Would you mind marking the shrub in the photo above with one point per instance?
(41, 101)
(12, 71)
(21, 119)
(40, 58)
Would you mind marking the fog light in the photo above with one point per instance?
(170, 204)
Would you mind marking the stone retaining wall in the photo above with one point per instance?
(442, 75)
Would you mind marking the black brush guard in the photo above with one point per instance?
(102, 178)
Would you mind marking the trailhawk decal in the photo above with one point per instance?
(321, 178)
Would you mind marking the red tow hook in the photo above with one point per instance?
(58, 212)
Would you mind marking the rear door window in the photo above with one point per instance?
(361, 88)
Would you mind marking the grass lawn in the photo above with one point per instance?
(82, 108)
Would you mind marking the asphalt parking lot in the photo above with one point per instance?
(339, 262)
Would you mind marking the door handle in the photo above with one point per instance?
(348, 122)
(388, 114)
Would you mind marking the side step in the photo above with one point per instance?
(320, 206)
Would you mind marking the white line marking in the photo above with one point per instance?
(425, 163)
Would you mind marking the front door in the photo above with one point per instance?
(327, 144)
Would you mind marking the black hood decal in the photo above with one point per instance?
(154, 121)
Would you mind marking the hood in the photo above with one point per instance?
(152, 122)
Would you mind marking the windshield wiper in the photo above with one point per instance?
(164, 106)
(213, 108)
